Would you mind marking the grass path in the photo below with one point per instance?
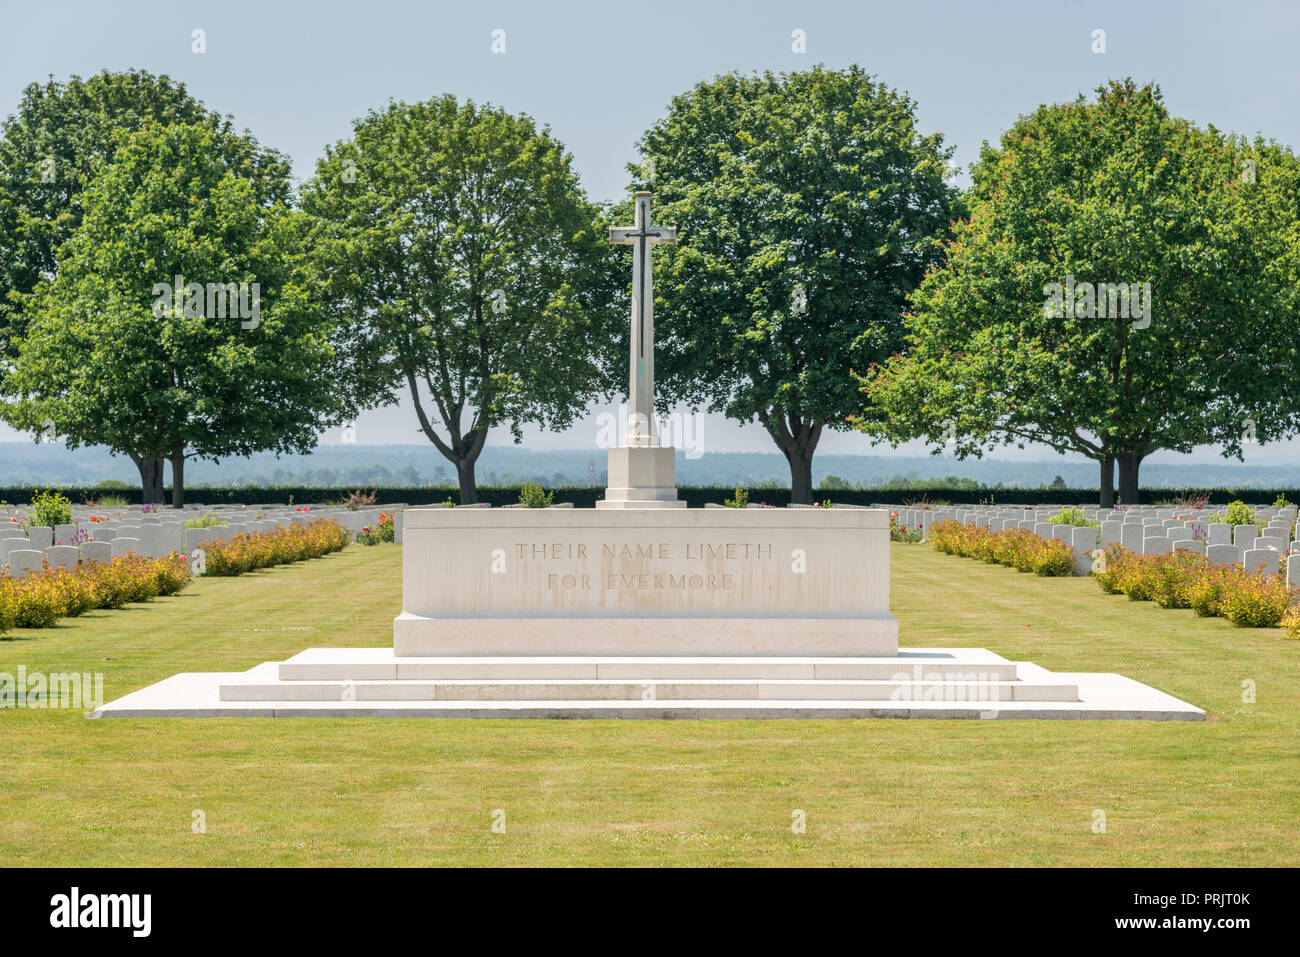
(368, 792)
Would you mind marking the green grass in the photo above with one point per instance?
(373, 792)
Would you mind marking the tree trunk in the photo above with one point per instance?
(463, 449)
(801, 479)
(1108, 481)
(1129, 462)
(797, 440)
(151, 477)
(465, 473)
(178, 481)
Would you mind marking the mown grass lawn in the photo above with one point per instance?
(414, 792)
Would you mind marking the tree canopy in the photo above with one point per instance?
(808, 207)
(178, 323)
(1125, 282)
(464, 265)
(51, 148)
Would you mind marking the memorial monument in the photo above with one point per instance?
(644, 608)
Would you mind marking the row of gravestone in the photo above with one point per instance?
(1142, 530)
(156, 535)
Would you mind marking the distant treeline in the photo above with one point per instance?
(696, 496)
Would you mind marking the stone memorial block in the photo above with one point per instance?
(1062, 532)
(128, 531)
(1218, 533)
(63, 534)
(1293, 571)
(658, 581)
(1191, 546)
(1282, 532)
(103, 533)
(1180, 534)
(1254, 558)
(125, 546)
(62, 556)
(23, 561)
(1044, 529)
(1110, 532)
(1244, 535)
(1274, 544)
(97, 551)
(1156, 545)
(41, 536)
(1223, 554)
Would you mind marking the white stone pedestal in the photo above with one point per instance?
(641, 477)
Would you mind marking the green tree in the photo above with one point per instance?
(466, 266)
(115, 355)
(807, 206)
(51, 148)
(834, 483)
(1126, 282)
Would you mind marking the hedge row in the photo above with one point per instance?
(584, 496)
(1184, 579)
(1016, 548)
(42, 598)
(251, 550)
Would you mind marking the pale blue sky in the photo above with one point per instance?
(297, 73)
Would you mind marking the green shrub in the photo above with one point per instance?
(532, 495)
(205, 521)
(1254, 601)
(1236, 513)
(1073, 516)
(1015, 547)
(740, 501)
(249, 551)
(51, 508)
(42, 598)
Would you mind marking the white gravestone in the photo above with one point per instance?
(97, 551)
(62, 556)
(24, 561)
(1223, 554)
(1260, 559)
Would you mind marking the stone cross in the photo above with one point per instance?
(641, 384)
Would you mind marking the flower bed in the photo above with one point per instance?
(43, 597)
(902, 533)
(1184, 579)
(382, 532)
(252, 550)
(1016, 548)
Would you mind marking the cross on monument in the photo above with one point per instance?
(641, 385)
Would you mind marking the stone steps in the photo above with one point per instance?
(917, 683)
(762, 689)
(364, 664)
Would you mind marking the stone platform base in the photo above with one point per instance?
(917, 683)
